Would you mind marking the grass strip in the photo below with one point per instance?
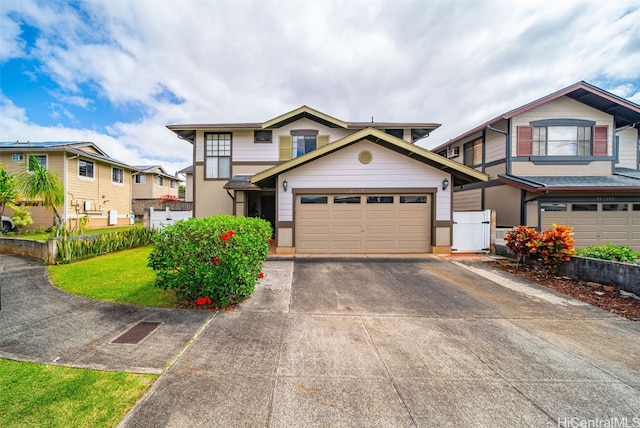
(121, 277)
(38, 395)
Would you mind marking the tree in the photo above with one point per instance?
(8, 189)
(41, 184)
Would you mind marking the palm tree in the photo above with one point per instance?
(8, 191)
(41, 184)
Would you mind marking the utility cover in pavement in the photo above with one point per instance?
(136, 333)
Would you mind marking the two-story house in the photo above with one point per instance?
(326, 185)
(97, 188)
(571, 157)
(154, 182)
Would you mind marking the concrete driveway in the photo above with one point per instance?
(374, 343)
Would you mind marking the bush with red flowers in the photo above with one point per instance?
(212, 261)
(551, 247)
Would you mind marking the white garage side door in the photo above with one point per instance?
(366, 223)
(596, 223)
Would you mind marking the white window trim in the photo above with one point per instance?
(46, 156)
(158, 178)
(143, 177)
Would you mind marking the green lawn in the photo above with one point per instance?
(121, 277)
(39, 395)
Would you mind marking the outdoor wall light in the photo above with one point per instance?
(445, 184)
(285, 185)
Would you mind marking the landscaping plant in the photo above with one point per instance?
(551, 247)
(211, 261)
(618, 253)
(72, 248)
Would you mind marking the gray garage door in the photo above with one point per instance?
(365, 223)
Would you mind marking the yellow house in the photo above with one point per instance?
(97, 188)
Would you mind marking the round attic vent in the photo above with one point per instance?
(365, 156)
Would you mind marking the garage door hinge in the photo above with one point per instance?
(454, 249)
(455, 222)
(486, 249)
(486, 222)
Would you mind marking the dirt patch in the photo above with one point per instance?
(610, 301)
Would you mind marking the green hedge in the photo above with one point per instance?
(72, 248)
(618, 253)
(211, 261)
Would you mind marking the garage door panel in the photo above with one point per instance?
(585, 221)
(314, 215)
(615, 220)
(621, 235)
(347, 215)
(365, 227)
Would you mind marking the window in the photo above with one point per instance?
(553, 207)
(561, 141)
(379, 199)
(262, 136)
(160, 181)
(172, 184)
(614, 207)
(584, 207)
(473, 153)
(313, 199)
(117, 175)
(413, 199)
(304, 143)
(217, 155)
(41, 159)
(140, 179)
(85, 168)
(346, 199)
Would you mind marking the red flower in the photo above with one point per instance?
(216, 260)
(261, 275)
(203, 300)
(270, 240)
(227, 235)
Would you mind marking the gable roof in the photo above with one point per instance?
(187, 132)
(461, 173)
(626, 113)
(154, 169)
(75, 147)
(304, 112)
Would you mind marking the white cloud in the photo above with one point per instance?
(457, 63)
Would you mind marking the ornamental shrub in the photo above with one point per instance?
(521, 241)
(555, 246)
(618, 253)
(214, 260)
(551, 247)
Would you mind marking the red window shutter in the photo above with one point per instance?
(600, 137)
(525, 141)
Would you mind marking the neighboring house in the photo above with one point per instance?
(570, 158)
(188, 187)
(153, 182)
(96, 186)
(328, 186)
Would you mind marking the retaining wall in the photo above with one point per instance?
(623, 276)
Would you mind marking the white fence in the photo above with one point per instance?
(472, 231)
(157, 219)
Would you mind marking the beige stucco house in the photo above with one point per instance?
(154, 182)
(571, 157)
(326, 185)
(96, 186)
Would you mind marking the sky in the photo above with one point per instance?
(116, 72)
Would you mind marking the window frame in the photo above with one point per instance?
(218, 154)
(113, 170)
(160, 181)
(140, 179)
(80, 168)
(304, 134)
(46, 161)
(262, 136)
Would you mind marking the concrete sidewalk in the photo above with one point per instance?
(43, 324)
